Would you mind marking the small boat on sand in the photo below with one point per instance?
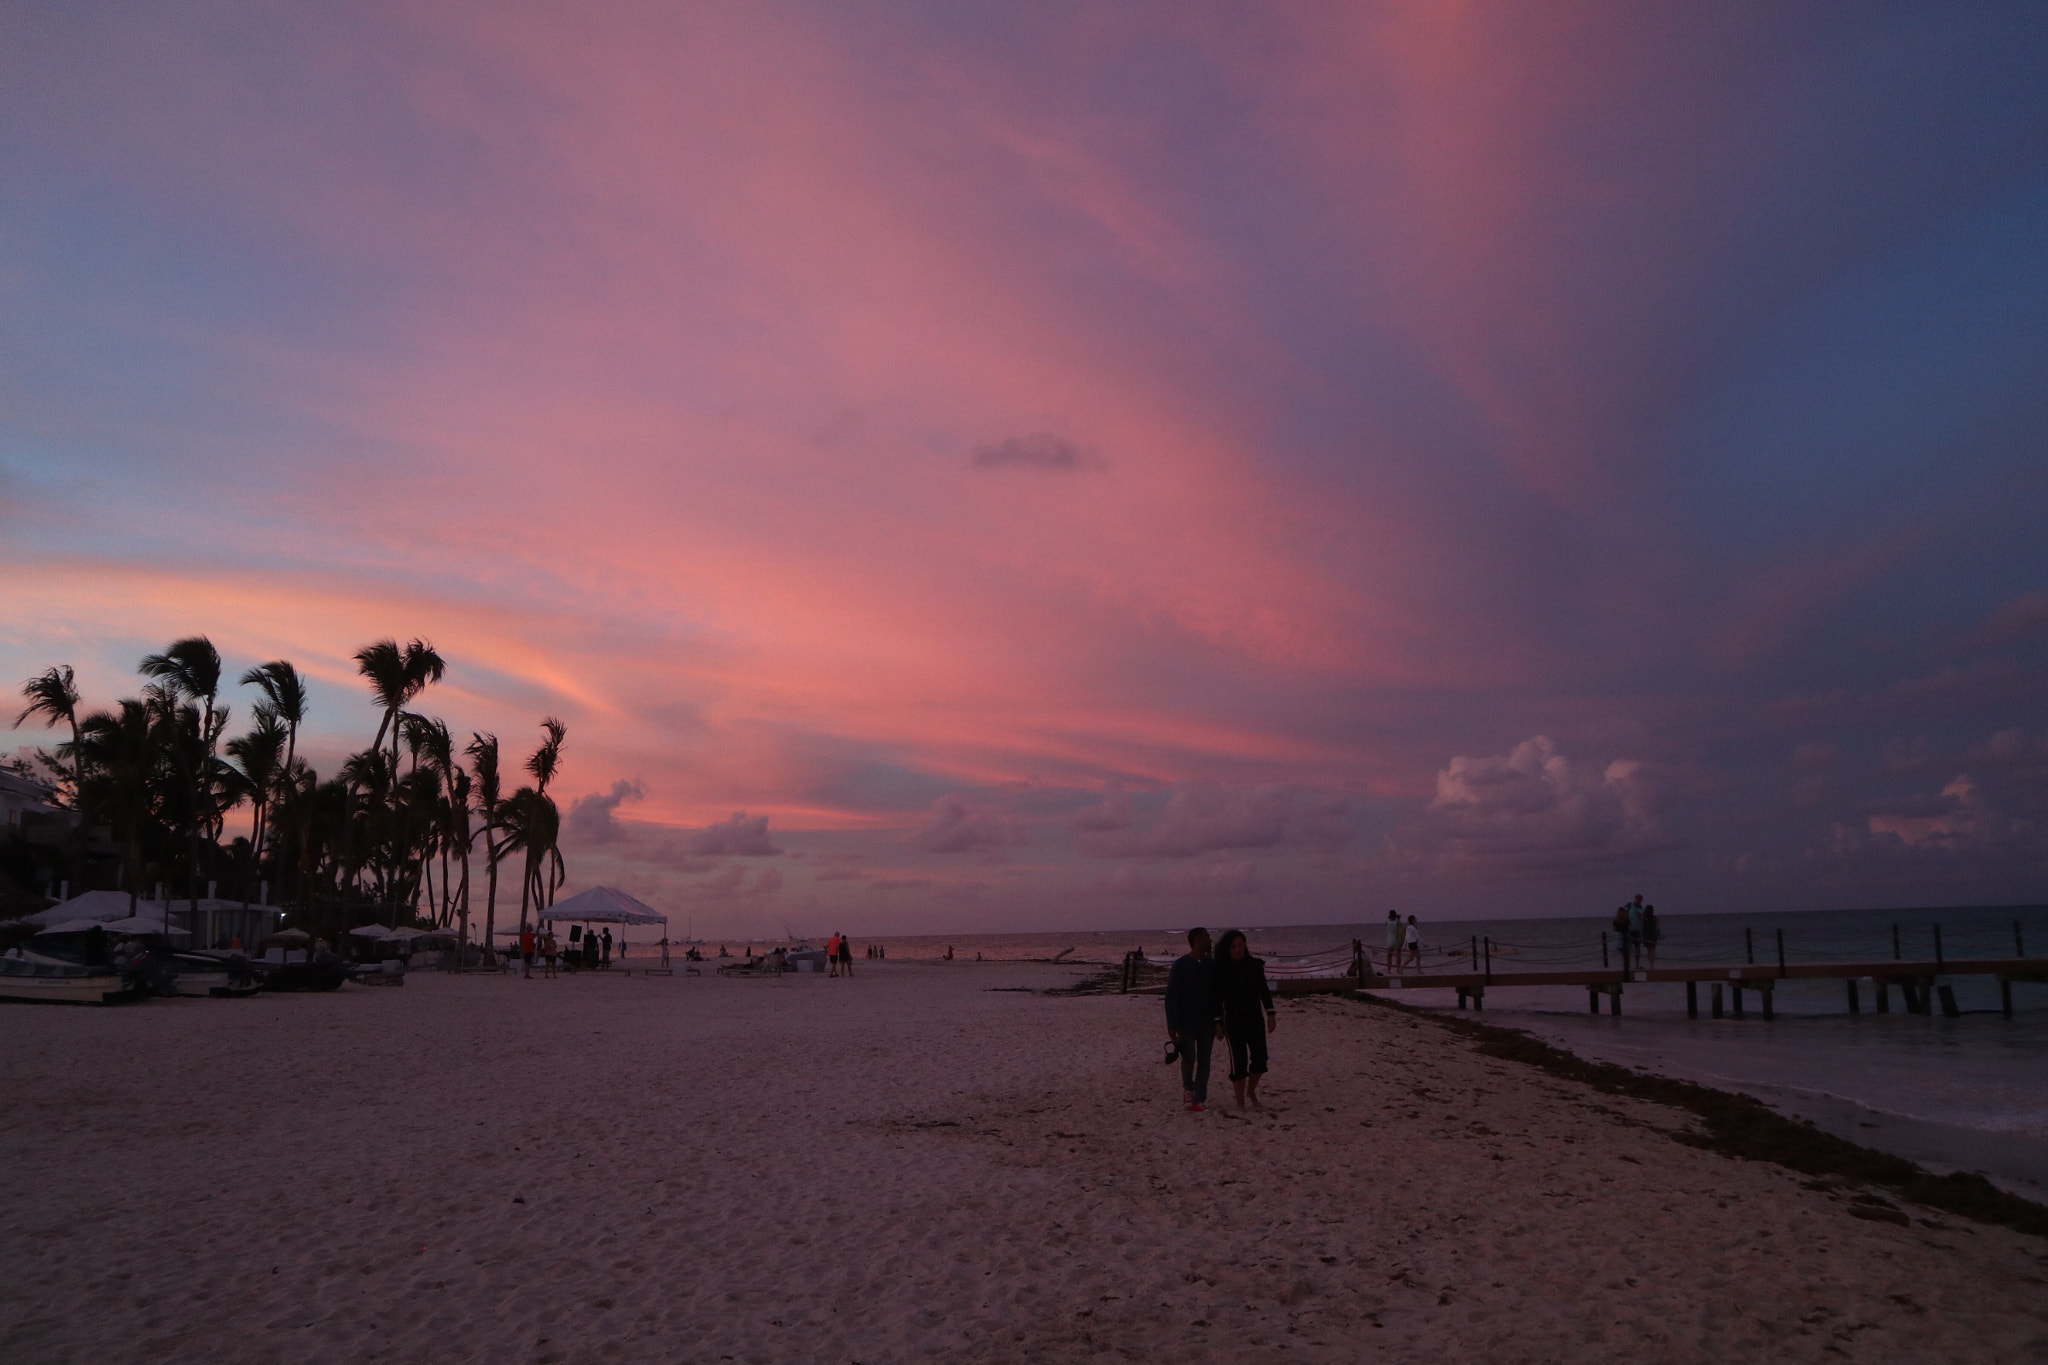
(26, 975)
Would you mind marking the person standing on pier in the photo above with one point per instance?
(1411, 939)
(1193, 1016)
(1620, 935)
(1247, 1004)
(1653, 933)
(1395, 934)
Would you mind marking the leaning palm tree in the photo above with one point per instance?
(396, 675)
(284, 691)
(533, 825)
(53, 696)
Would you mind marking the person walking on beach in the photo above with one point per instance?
(1247, 1005)
(1653, 932)
(832, 956)
(1411, 939)
(1193, 1018)
(1395, 934)
(548, 950)
(607, 947)
(846, 954)
(526, 951)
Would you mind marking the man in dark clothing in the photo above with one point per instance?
(1194, 1016)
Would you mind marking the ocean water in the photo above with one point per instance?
(1969, 1093)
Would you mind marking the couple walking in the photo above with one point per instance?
(1226, 997)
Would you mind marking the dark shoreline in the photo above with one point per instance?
(1746, 1128)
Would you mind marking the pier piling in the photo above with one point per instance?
(1692, 999)
(2005, 996)
(1948, 1002)
(1855, 1005)
(1717, 1000)
(1884, 996)
(1735, 999)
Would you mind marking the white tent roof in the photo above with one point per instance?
(603, 905)
(100, 905)
(112, 905)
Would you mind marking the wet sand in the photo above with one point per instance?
(910, 1165)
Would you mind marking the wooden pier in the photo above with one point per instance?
(1918, 982)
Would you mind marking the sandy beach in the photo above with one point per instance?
(930, 1161)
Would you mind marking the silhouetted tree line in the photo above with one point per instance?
(393, 830)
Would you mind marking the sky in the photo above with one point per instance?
(964, 466)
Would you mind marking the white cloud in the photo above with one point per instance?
(1533, 811)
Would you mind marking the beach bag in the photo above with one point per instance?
(1172, 1051)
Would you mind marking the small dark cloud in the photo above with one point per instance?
(1039, 450)
(960, 826)
(592, 818)
(743, 836)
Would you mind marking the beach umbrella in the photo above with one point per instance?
(288, 938)
(367, 931)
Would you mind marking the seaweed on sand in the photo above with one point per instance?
(1747, 1128)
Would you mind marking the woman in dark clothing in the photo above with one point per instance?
(1247, 1004)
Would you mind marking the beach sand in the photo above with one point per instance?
(920, 1163)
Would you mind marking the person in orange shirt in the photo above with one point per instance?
(832, 954)
(526, 951)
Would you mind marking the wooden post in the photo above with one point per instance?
(1592, 999)
(1692, 999)
(1770, 993)
(1717, 1000)
(1461, 997)
(2005, 995)
(1948, 1001)
(1735, 998)
(1884, 996)
(1479, 997)
(1614, 1001)
(1855, 1005)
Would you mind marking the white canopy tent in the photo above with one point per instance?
(602, 905)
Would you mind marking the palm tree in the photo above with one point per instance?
(534, 825)
(285, 693)
(260, 754)
(483, 763)
(53, 695)
(396, 676)
(190, 668)
(548, 757)
(122, 753)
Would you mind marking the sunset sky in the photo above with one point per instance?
(980, 466)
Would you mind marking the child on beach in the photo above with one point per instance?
(1246, 1001)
